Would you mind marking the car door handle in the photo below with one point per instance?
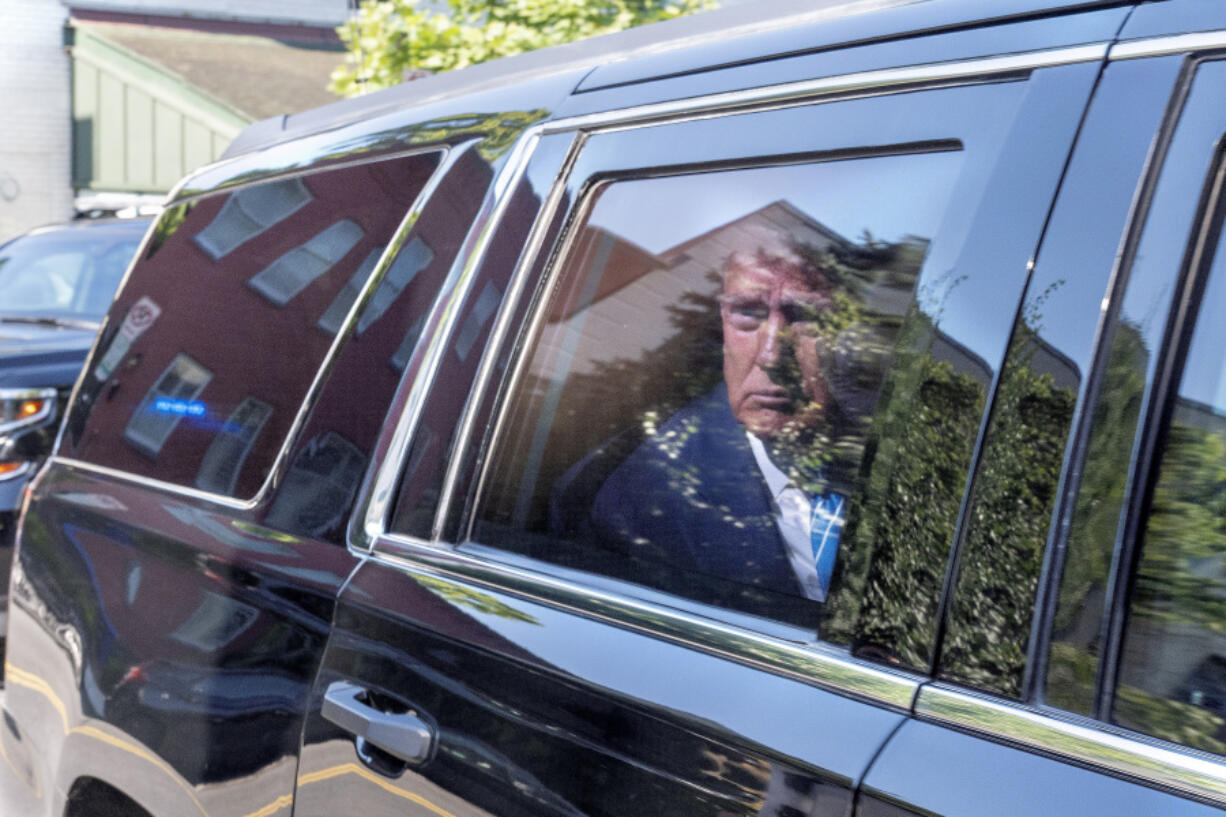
(403, 735)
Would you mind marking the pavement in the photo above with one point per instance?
(16, 798)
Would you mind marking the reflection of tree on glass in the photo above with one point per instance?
(1172, 681)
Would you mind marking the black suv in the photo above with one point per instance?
(56, 284)
(820, 414)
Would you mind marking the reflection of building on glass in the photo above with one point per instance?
(293, 272)
(270, 295)
(634, 288)
(319, 486)
(224, 459)
(249, 212)
(404, 351)
(483, 309)
(334, 316)
(153, 421)
(412, 259)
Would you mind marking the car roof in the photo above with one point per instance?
(731, 35)
(134, 224)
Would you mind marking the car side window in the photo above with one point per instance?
(700, 395)
(191, 383)
(1172, 675)
(1122, 640)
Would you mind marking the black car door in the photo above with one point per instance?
(1079, 672)
(581, 594)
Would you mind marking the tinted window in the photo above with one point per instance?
(1172, 681)
(223, 324)
(698, 407)
(1101, 522)
(325, 467)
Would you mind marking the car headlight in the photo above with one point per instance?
(21, 409)
(25, 407)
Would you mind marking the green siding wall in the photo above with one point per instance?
(137, 126)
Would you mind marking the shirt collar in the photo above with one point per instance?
(776, 480)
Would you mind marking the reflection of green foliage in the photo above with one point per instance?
(896, 546)
(1173, 720)
(917, 452)
(1179, 591)
(498, 131)
(1002, 555)
(1091, 539)
(1181, 579)
(262, 532)
(467, 597)
(389, 38)
(859, 337)
(171, 220)
(1071, 669)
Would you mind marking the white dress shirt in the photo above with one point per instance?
(793, 514)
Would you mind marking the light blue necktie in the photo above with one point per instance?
(825, 526)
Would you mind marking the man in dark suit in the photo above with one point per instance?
(735, 484)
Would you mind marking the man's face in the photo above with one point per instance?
(772, 347)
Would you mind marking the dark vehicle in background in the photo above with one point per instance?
(775, 411)
(56, 284)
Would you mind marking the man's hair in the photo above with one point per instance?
(780, 253)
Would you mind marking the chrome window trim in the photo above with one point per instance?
(885, 80)
(375, 504)
(102, 326)
(448, 155)
(1168, 45)
(502, 327)
(311, 153)
(255, 177)
(814, 663)
(517, 368)
(1080, 740)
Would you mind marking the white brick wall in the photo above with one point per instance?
(310, 12)
(35, 141)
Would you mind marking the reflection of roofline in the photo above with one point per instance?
(1062, 360)
(1200, 415)
(637, 248)
(962, 358)
(671, 254)
(1200, 407)
(298, 31)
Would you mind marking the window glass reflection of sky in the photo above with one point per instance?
(890, 196)
(1204, 373)
(1165, 238)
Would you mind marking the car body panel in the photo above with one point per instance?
(1095, 27)
(821, 27)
